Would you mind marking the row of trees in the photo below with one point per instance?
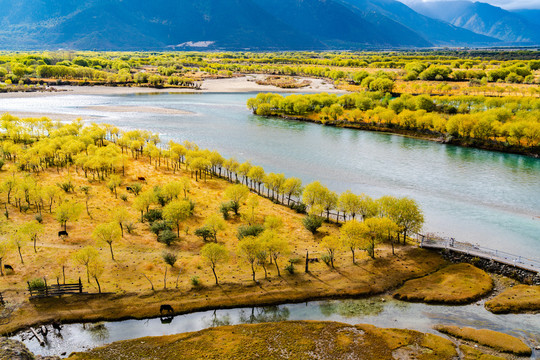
(508, 120)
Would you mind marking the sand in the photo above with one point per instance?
(233, 85)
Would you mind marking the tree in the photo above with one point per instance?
(292, 187)
(143, 202)
(351, 236)
(114, 182)
(5, 247)
(84, 257)
(275, 245)
(248, 249)
(373, 231)
(349, 203)
(169, 259)
(405, 212)
(18, 239)
(214, 223)
(31, 230)
(96, 269)
(107, 233)
(331, 244)
(252, 202)
(177, 211)
(256, 174)
(86, 190)
(214, 254)
(120, 216)
(312, 223)
(272, 223)
(68, 211)
(368, 207)
(236, 194)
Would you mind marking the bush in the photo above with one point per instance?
(195, 281)
(123, 197)
(290, 268)
(167, 237)
(294, 260)
(299, 208)
(225, 209)
(66, 186)
(39, 218)
(36, 284)
(326, 259)
(135, 188)
(153, 215)
(2, 163)
(249, 230)
(312, 223)
(158, 226)
(130, 227)
(205, 233)
(169, 258)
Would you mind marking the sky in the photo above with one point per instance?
(505, 4)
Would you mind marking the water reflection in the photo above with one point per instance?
(381, 312)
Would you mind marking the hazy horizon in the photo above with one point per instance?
(505, 4)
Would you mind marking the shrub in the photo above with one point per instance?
(312, 223)
(225, 209)
(66, 186)
(130, 227)
(167, 237)
(123, 197)
(2, 163)
(299, 208)
(290, 268)
(158, 226)
(205, 233)
(169, 258)
(326, 259)
(36, 284)
(195, 281)
(249, 230)
(135, 188)
(153, 215)
(39, 218)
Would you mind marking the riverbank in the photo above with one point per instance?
(241, 84)
(366, 278)
(469, 143)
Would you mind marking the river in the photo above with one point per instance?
(388, 313)
(477, 196)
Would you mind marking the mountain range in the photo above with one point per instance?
(252, 25)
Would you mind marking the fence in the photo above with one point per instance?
(517, 261)
(55, 290)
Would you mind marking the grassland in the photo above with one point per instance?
(517, 299)
(501, 342)
(139, 254)
(286, 340)
(454, 284)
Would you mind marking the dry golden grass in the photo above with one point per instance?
(519, 298)
(493, 339)
(139, 253)
(470, 353)
(455, 284)
(285, 340)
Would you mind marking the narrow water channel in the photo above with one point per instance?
(378, 311)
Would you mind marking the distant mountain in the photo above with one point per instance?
(436, 31)
(223, 24)
(532, 16)
(483, 19)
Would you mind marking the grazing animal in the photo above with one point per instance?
(62, 233)
(8, 267)
(56, 325)
(141, 178)
(165, 308)
(128, 188)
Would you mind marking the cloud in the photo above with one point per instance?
(505, 4)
